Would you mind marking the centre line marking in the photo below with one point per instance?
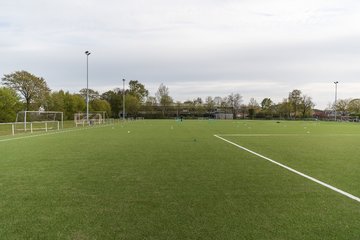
(293, 170)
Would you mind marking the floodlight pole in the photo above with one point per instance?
(335, 97)
(123, 99)
(87, 85)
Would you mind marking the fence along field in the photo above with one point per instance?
(175, 180)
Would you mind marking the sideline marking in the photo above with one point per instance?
(288, 135)
(51, 133)
(294, 171)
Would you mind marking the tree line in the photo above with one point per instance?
(22, 90)
(349, 107)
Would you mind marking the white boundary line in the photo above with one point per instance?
(51, 133)
(293, 170)
(288, 135)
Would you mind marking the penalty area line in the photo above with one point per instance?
(293, 170)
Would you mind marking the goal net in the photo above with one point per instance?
(38, 121)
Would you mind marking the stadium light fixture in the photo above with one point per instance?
(123, 99)
(336, 83)
(87, 85)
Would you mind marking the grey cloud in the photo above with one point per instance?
(194, 47)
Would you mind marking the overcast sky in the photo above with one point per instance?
(197, 48)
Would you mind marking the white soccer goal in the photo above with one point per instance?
(94, 118)
(38, 121)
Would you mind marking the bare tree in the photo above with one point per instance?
(234, 101)
(163, 97)
(209, 104)
(217, 101)
(253, 107)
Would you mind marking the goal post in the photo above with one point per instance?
(7, 129)
(39, 120)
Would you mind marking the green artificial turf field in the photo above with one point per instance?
(166, 179)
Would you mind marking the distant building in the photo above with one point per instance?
(320, 114)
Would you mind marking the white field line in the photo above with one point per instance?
(293, 170)
(287, 134)
(51, 133)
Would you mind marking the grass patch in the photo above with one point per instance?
(175, 180)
